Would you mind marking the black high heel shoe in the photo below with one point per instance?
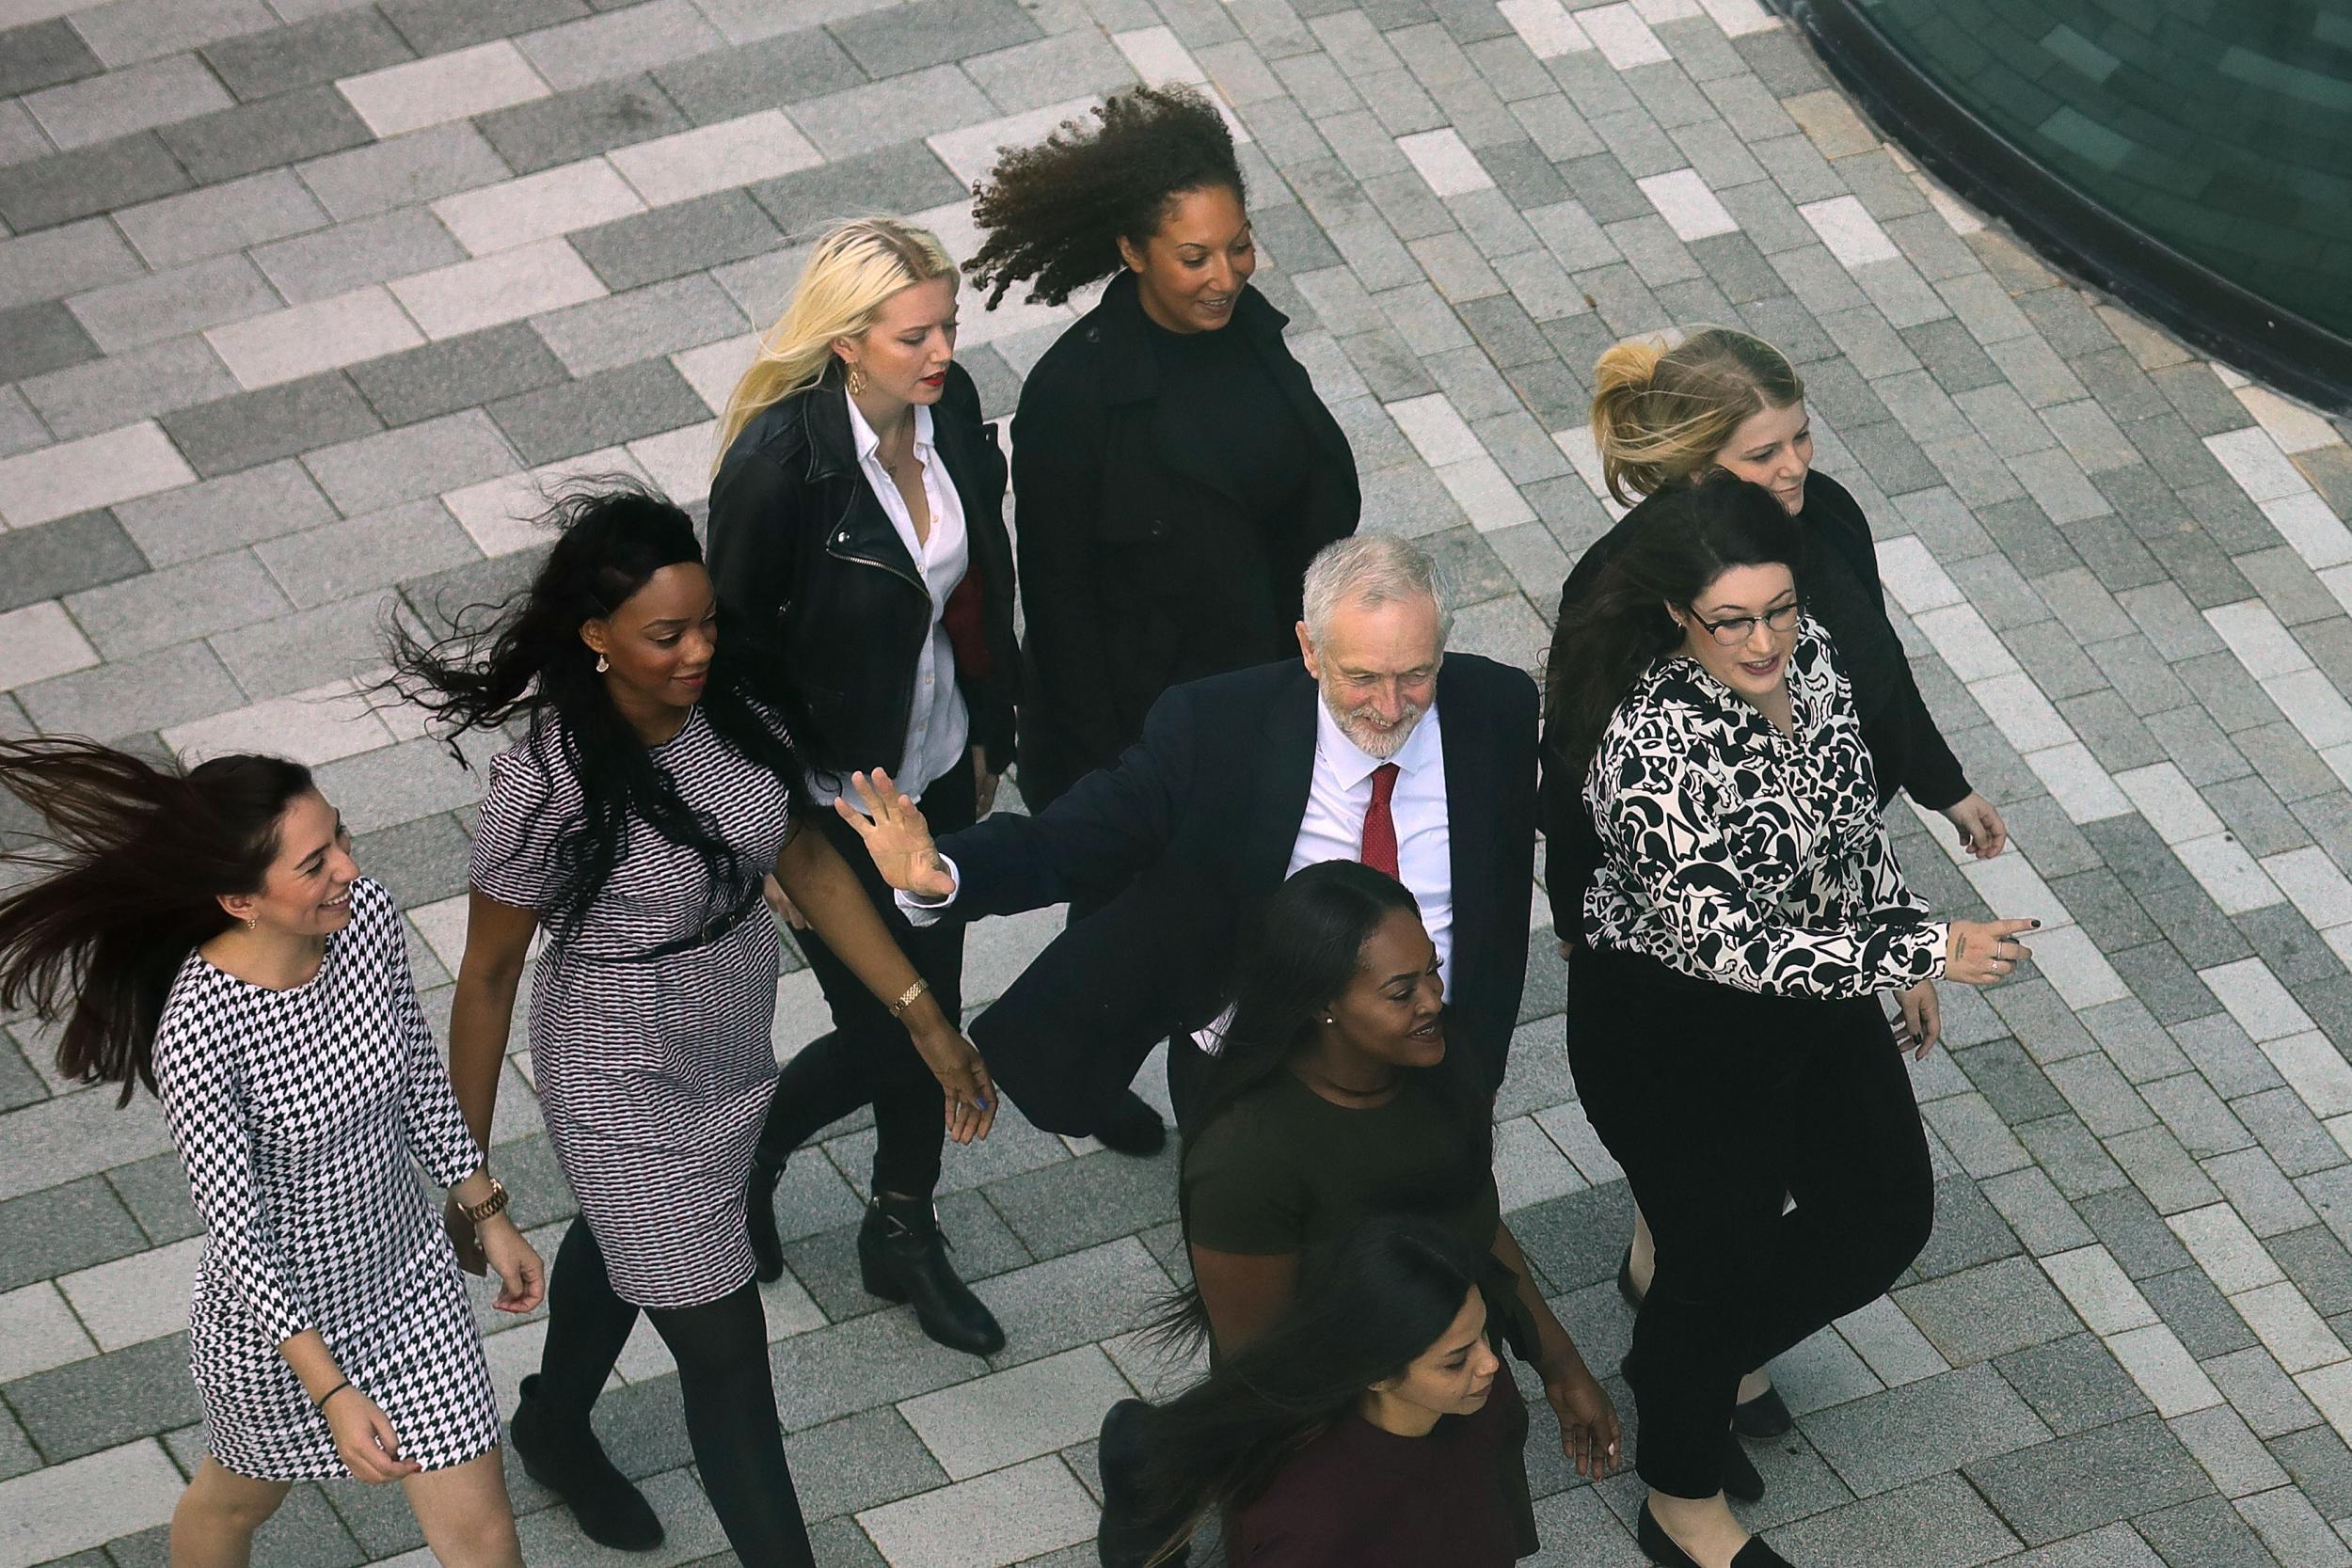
(1660, 1549)
(760, 1218)
(1766, 1415)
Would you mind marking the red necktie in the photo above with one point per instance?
(1379, 851)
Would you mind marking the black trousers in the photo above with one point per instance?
(1718, 1103)
(721, 1348)
(866, 1058)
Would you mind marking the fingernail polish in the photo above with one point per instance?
(2037, 925)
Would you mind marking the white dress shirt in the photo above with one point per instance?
(938, 727)
(1338, 793)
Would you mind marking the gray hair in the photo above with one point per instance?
(1372, 569)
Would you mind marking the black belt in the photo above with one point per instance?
(708, 932)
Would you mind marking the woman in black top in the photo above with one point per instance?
(1723, 401)
(1172, 476)
(858, 545)
(1725, 1024)
(1173, 470)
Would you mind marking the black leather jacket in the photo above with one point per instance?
(811, 573)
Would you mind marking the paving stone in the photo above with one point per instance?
(456, 374)
(1987, 1311)
(596, 411)
(1937, 1523)
(42, 193)
(127, 697)
(401, 172)
(1905, 1434)
(40, 338)
(2075, 1483)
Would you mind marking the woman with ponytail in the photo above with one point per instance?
(208, 935)
(1372, 1425)
(1725, 1007)
(858, 542)
(1666, 417)
(650, 794)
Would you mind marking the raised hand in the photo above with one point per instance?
(896, 835)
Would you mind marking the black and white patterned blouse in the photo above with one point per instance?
(298, 1112)
(1741, 855)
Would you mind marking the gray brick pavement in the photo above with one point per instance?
(539, 232)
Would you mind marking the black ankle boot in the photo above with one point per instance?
(1130, 1127)
(759, 1216)
(1128, 1535)
(1660, 1549)
(902, 1256)
(566, 1458)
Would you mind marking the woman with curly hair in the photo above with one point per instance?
(650, 794)
(1172, 469)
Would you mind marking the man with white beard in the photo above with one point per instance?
(1377, 746)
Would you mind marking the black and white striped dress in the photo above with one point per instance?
(297, 1113)
(654, 1072)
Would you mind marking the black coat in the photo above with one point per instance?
(1190, 832)
(1138, 571)
(811, 572)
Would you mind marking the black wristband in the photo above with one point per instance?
(321, 1400)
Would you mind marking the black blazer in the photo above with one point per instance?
(1139, 570)
(811, 573)
(1190, 831)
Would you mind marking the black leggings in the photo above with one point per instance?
(721, 1348)
(866, 1058)
(1718, 1103)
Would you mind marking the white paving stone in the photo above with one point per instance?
(38, 1331)
(2100, 1293)
(2288, 1327)
(2317, 1071)
(2165, 1371)
(2227, 873)
(1437, 430)
(2254, 997)
(1158, 55)
(679, 461)
(1970, 646)
(312, 727)
(49, 1513)
(1622, 37)
(304, 340)
(2318, 889)
(1545, 27)
(537, 206)
(2170, 803)
(53, 481)
(501, 515)
(2075, 781)
(2295, 428)
(733, 152)
(2233, 1257)
(1445, 162)
(2254, 460)
(713, 368)
(40, 641)
(2305, 521)
(144, 1297)
(1690, 208)
(1912, 573)
(2261, 642)
(1005, 1517)
(1011, 1416)
(1851, 234)
(513, 284)
(441, 88)
(970, 151)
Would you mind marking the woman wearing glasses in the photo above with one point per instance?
(1724, 1018)
(1663, 417)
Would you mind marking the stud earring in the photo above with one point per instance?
(603, 664)
(855, 380)
(251, 923)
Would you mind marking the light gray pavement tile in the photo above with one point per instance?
(220, 514)
(55, 262)
(2259, 1390)
(585, 121)
(662, 317)
(377, 471)
(343, 42)
(1987, 1311)
(334, 260)
(295, 653)
(858, 1462)
(2076, 1483)
(156, 92)
(185, 300)
(2073, 1383)
(158, 609)
(401, 172)
(1936, 1523)
(619, 43)
(348, 560)
(921, 104)
(127, 697)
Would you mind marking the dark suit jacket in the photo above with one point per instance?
(1185, 837)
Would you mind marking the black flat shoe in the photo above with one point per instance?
(1128, 1536)
(1132, 1127)
(1660, 1549)
(1625, 1281)
(1740, 1481)
(759, 1216)
(902, 1256)
(566, 1459)
(1765, 1415)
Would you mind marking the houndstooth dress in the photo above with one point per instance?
(654, 1067)
(298, 1112)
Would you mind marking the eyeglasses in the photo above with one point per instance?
(1737, 630)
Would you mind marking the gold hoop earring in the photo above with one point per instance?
(855, 380)
(603, 664)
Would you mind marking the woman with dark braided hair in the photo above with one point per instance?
(1172, 469)
(635, 820)
(207, 934)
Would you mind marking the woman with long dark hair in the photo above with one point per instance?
(207, 934)
(1724, 1012)
(858, 545)
(1173, 470)
(634, 822)
(1372, 1425)
(1665, 416)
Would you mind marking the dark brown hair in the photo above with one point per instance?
(128, 884)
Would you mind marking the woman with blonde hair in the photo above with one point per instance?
(1665, 417)
(859, 551)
